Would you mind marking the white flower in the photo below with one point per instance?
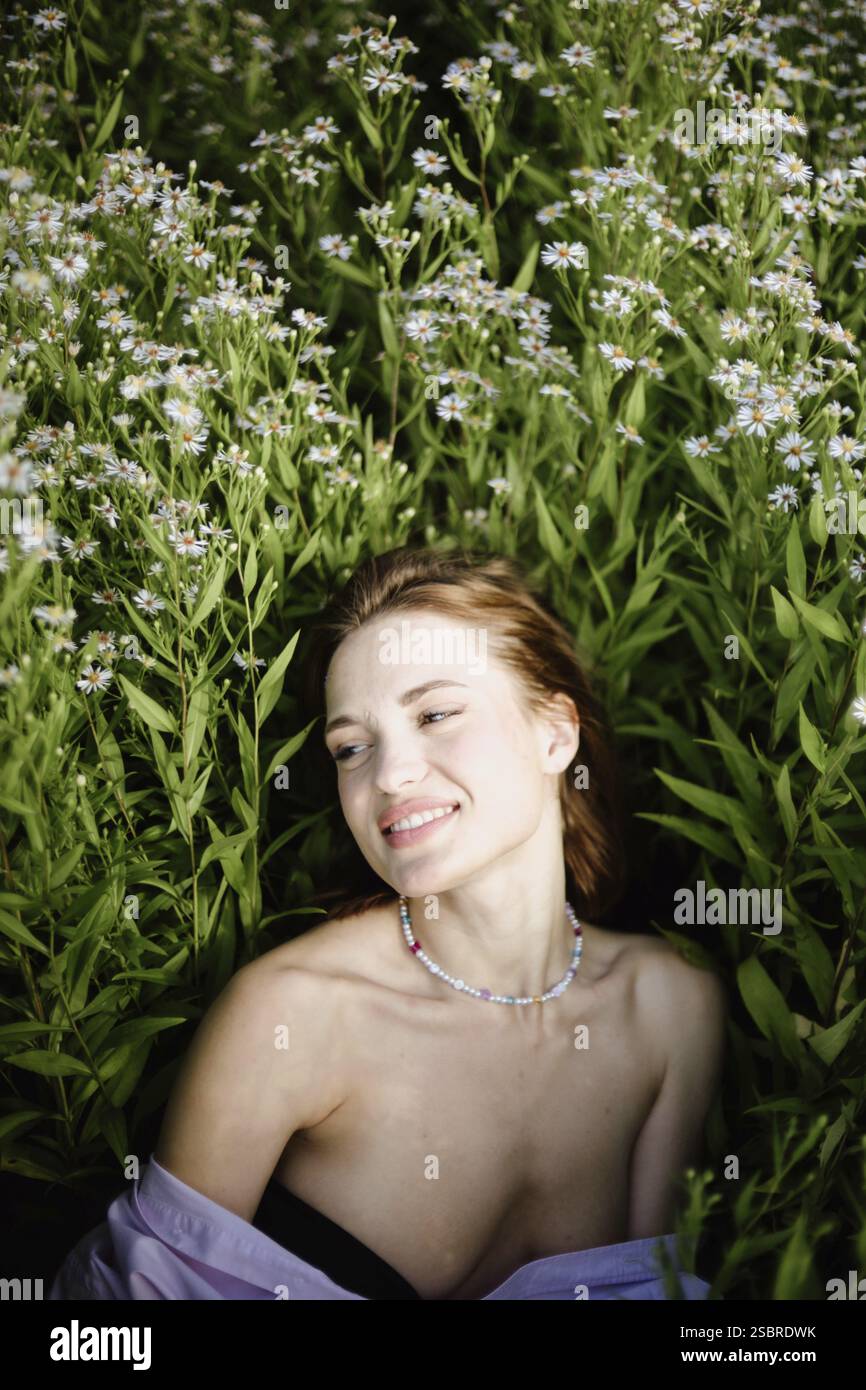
(50, 19)
(431, 161)
(451, 407)
(322, 129)
(147, 602)
(499, 485)
(797, 450)
(579, 55)
(698, 445)
(561, 253)
(616, 355)
(858, 709)
(631, 434)
(784, 497)
(93, 678)
(335, 246)
(793, 169)
(198, 255)
(754, 417)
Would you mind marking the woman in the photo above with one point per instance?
(456, 1087)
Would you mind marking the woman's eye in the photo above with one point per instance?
(429, 716)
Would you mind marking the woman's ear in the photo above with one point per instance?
(562, 729)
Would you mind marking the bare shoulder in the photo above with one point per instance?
(344, 948)
(682, 1007)
(678, 1008)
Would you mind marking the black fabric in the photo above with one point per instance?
(314, 1237)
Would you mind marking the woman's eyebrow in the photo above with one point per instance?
(405, 699)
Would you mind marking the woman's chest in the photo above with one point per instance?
(460, 1155)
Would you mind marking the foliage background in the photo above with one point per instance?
(167, 819)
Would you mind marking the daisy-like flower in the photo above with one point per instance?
(565, 254)
(858, 709)
(184, 411)
(799, 208)
(631, 434)
(579, 55)
(784, 497)
(383, 82)
(335, 245)
(500, 485)
(857, 568)
(30, 282)
(837, 334)
(798, 452)
(430, 161)
(9, 676)
(322, 129)
(50, 19)
(550, 213)
(55, 615)
(198, 255)
(616, 355)
(451, 407)
(106, 597)
(188, 543)
(755, 417)
(842, 446)
(668, 322)
(620, 113)
(244, 663)
(698, 446)
(80, 549)
(793, 169)
(147, 602)
(68, 268)
(93, 678)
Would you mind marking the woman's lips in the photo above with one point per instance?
(398, 838)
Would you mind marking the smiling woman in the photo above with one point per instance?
(415, 1138)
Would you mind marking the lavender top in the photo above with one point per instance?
(164, 1240)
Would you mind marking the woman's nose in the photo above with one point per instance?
(395, 766)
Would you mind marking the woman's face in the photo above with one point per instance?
(467, 743)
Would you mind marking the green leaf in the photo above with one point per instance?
(251, 571)
(830, 1042)
(386, 326)
(10, 926)
(136, 1029)
(306, 554)
(48, 1063)
(526, 274)
(153, 714)
(786, 616)
(196, 723)
(796, 560)
(767, 1007)
(547, 532)
(271, 684)
(209, 596)
(786, 805)
(70, 67)
(825, 623)
(287, 750)
(811, 742)
(109, 121)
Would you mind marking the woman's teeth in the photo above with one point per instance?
(421, 818)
